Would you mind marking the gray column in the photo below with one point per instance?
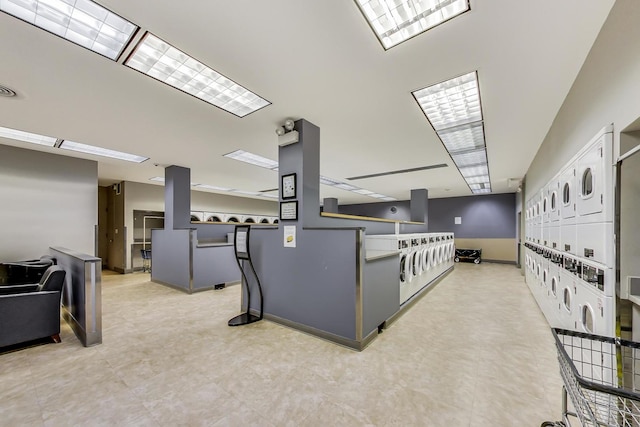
(419, 205)
(177, 197)
(330, 205)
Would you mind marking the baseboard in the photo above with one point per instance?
(336, 339)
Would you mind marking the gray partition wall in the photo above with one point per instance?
(320, 281)
(82, 294)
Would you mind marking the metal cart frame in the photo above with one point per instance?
(601, 375)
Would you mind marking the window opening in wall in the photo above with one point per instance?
(587, 183)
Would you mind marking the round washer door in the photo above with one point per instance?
(408, 267)
(432, 257)
(416, 267)
(403, 262)
(426, 260)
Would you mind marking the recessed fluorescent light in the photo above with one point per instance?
(157, 179)
(328, 181)
(482, 191)
(33, 138)
(453, 108)
(471, 171)
(395, 21)
(254, 159)
(104, 152)
(477, 179)
(158, 59)
(388, 199)
(270, 196)
(466, 137)
(347, 187)
(82, 22)
(249, 193)
(363, 192)
(452, 102)
(470, 158)
(213, 187)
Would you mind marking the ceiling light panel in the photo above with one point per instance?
(158, 59)
(104, 152)
(472, 171)
(470, 158)
(33, 138)
(466, 137)
(451, 103)
(453, 108)
(253, 159)
(213, 187)
(82, 22)
(395, 21)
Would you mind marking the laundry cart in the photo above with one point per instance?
(468, 255)
(601, 378)
(146, 260)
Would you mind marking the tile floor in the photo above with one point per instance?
(475, 351)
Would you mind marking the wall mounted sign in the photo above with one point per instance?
(289, 236)
(289, 211)
(457, 220)
(288, 186)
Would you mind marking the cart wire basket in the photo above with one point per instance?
(601, 375)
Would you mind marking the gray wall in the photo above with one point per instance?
(607, 90)
(48, 200)
(488, 216)
(491, 216)
(379, 210)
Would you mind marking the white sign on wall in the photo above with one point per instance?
(457, 220)
(289, 236)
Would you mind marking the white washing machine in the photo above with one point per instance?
(554, 236)
(197, 216)
(406, 275)
(233, 218)
(594, 241)
(568, 195)
(213, 217)
(554, 289)
(594, 172)
(568, 239)
(553, 190)
(596, 312)
(544, 196)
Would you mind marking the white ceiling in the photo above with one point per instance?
(317, 60)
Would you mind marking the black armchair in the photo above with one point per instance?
(30, 312)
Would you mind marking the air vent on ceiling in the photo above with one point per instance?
(375, 175)
(5, 91)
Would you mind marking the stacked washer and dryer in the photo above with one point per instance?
(569, 240)
(423, 258)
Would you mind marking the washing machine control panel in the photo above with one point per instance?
(573, 266)
(593, 275)
(556, 258)
(403, 244)
(415, 242)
